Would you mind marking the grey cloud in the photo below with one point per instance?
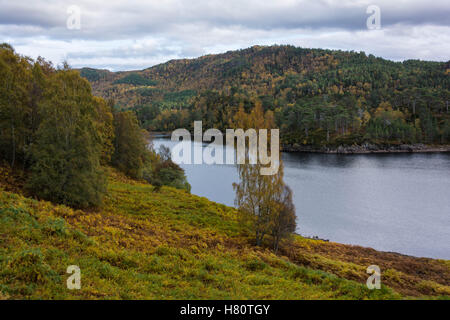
(104, 20)
(137, 34)
(26, 13)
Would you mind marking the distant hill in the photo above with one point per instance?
(319, 97)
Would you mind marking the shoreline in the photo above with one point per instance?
(353, 149)
(368, 149)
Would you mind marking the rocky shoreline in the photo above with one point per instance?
(367, 148)
(349, 149)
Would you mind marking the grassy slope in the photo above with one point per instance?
(172, 245)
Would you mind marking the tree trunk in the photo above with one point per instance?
(258, 238)
(276, 244)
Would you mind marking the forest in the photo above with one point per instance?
(61, 137)
(318, 97)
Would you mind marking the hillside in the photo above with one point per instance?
(319, 97)
(172, 245)
(112, 208)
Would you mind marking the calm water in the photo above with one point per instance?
(390, 202)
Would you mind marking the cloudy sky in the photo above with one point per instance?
(132, 34)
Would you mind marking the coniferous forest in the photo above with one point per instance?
(320, 98)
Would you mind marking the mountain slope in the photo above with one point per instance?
(319, 97)
(262, 67)
(173, 245)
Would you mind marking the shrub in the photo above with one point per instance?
(29, 266)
